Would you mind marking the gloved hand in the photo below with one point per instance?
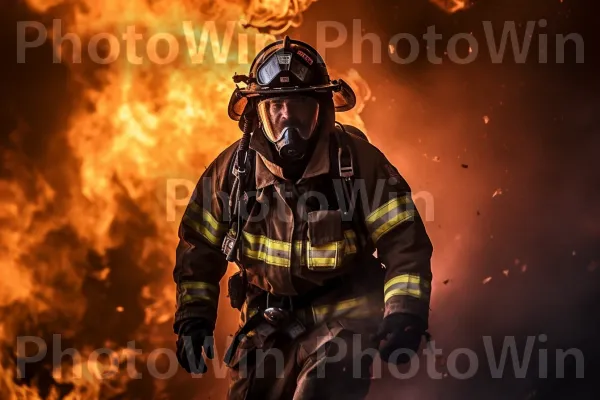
(400, 331)
(195, 337)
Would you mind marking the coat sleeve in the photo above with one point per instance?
(396, 229)
(200, 264)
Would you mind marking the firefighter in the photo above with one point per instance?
(333, 256)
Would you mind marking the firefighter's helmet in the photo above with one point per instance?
(288, 66)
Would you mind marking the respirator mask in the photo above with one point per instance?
(289, 122)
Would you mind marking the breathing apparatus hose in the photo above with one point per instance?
(239, 189)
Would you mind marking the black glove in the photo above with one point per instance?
(195, 337)
(400, 331)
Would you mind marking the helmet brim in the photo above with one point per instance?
(344, 98)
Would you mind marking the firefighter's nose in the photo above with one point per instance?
(285, 111)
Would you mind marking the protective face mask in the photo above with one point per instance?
(289, 122)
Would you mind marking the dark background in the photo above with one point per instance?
(541, 147)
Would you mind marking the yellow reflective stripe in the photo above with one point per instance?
(346, 246)
(323, 262)
(328, 246)
(396, 220)
(188, 298)
(260, 247)
(316, 258)
(202, 230)
(213, 222)
(352, 308)
(403, 292)
(207, 225)
(405, 278)
(387, 207)
(208, 217)
(199, 285)
(341, 306)
(195, 207)
(267, 242)
(269, 259)
(299, 254)
(194, 290)
(407, 285)
(350, 303)
(271, 251)
(298, 246)
(389, 215)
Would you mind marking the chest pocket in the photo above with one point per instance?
(329, 245)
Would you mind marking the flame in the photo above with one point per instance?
(275, 15)
(137, 127)
(452, 6)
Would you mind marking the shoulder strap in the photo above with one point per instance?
(345, 170)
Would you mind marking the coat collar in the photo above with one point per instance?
(268, 173)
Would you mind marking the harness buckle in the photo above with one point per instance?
(228, 246)
(239, 165)
(346, 171)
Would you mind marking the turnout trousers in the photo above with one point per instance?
(328, 361)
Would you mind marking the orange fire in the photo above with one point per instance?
(276, 16)
(137, 128)
(451, 6)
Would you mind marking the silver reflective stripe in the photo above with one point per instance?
(407, 285)
(260, 247)
(331, 255)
